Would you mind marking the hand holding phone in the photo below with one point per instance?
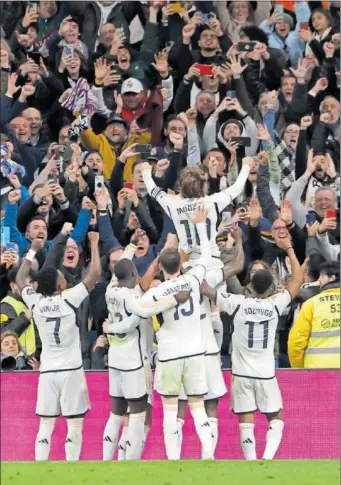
(330, 214)
(99, 182)
(128, 185)
(204, 69)
(243, 141)
(304, 25)
(143, 148)
(246, 46)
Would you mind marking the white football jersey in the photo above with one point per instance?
(55, 318)
(178, 208)
(253, 339)
(130, 329)
(213, 278)
(180, 333)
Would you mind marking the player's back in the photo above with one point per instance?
(180, 333)
(55, 318)
(253, 338)
(128, 348)
(189, 240)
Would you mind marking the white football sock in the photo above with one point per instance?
(73, 442)
(273, 438)
(181, 422)
(170, 431)
(122, 444)
(43, 439)
(214, 431)
(110, 436)
(247, 440)
(146, 431)
(203, 428)
(135, 436)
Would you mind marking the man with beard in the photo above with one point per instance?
(48, 201)
(112, 142)
(211, 43)
(322, 188)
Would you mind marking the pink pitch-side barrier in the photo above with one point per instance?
(311, 410)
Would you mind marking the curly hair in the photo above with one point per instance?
(192, 182)
(47, 279)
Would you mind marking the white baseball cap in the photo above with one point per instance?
(132, 85)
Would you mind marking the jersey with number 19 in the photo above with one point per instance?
(62, 385)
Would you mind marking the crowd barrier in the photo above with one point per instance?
(311, 410)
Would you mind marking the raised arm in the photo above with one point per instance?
(297, 272)
(26, 264)
(238, 256)
(95, 265)
(153, 190)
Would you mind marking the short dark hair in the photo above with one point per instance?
(47, 278)
(331, 268)
(36, 218)
(12, 274)
(135, 164)
(314, 264)
(218, 150)
(169, 119)
(170, 260)
(124, 268)
(262, 281)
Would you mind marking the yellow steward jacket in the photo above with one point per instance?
(91, 141)
(27, 339)
(314, 340)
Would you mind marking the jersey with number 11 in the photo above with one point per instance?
(55, 318)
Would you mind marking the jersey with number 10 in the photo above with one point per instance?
(255, 325)
(178, 209)
(55, 318)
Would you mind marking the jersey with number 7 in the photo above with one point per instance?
(55, 317)
(178, 209)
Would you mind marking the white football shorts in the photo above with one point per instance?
(189, 371)
(131, 384)
(64, 392)
(248, 395)
(215, 379)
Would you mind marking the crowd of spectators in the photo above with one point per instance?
(90, 89)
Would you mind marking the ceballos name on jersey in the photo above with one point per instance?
(176, 289)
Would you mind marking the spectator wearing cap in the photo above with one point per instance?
(112, 142)
(279, 28)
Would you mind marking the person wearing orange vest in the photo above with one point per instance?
(314, 340)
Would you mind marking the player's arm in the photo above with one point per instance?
(148, 305)
(199, 219)
(297, 273)
(224, 301)
(149, 276)
(226, 196)
(95, 263)
(238, 255)
(28, 293)
(153, 190)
